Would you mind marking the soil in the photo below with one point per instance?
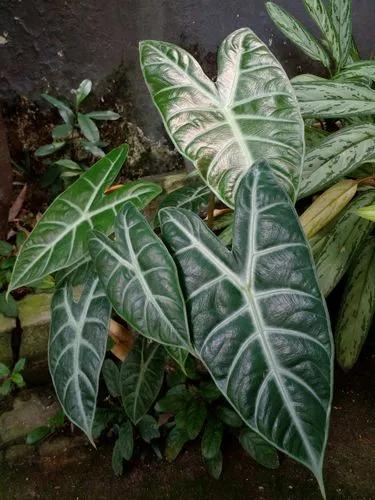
(349, 465)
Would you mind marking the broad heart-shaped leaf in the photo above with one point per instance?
(141, 280)
(337, 156)
(79, 331)
(141, 377)
(258, 320)
(297, 33)
(60, 237)
(249, 113)
(194, 198)
(331, 99)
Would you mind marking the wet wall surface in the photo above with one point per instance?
(55, 43)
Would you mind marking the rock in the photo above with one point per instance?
(7, 325)
(35, 316)
(19, 454)
(31, 408)
(61, 451)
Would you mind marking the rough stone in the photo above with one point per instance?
(7, 325)
(61, 451)
(19, 454)
(31, 408)
(35, 316)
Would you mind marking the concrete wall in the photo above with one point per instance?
(57, 43)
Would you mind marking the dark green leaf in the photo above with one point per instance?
(4, 370)
(142, 374)
(48, 149)
(117, 458)
(256, 312)
(209, 391)
(175, 442)
(111, 374)
(215, 465)
(148, 428)
(61, 106)
(126, 440)
(20, 365)
(229, 416)
(8, 306)
(6, 387)
(211, 439)
(61, 131)
(17, 379)
(195, 415)
(103, 417)
(141, 279)
(5, 248)
(189, 197)
(103, 115)
(37, 435)
(261, 451)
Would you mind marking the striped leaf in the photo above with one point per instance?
(297, 33)
(79, 331)
(331, 99)
(140, 278)
(60, 237)
(359, 69)
(341, 15)
(194, 198)
(320, 14)
(249, 113)
(258, 320)
(357, 306)
(348, 232)
(141, 377)
(337, 156)
(327, 206)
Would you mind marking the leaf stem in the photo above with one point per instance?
(210, 210)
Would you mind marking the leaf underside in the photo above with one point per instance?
(78, 338)
(249, 113)
(60, 237)
(258, 320)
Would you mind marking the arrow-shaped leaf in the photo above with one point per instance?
(60, 237)
(337, 156)
(258, 320)
(141, 377)
(79, 331)
(249, 113)
(140, 278)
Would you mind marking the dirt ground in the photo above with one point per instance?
(349, 466)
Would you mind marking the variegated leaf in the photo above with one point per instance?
(331, 99)
(258, 320)
(194, 198)
(78, 339)
(249, 113)
(140, 278)
(297, 33)
(341, 15)
(337, 156)
(360, 69)
(341, 243)
(60, 237)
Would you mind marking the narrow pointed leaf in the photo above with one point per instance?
(327, 206)
(367, 212)
(320, 14)
(60, 237)
(83, 91)
(341, 15)
(79, 330)
(141, 376)
(61, 106)
(337, 156)
(331, 99)
(357, 306)
(88, 128)
(140, 278)
(103, 115)
(365, 69)
(258, 319)
(49, 149)
(297, 33)
(62, 131)
(249, 113)
(347, 234)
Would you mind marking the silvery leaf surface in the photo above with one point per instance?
(140, 279)
(250, 112)
(60, 237)
(78, 339)
(258, 319)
